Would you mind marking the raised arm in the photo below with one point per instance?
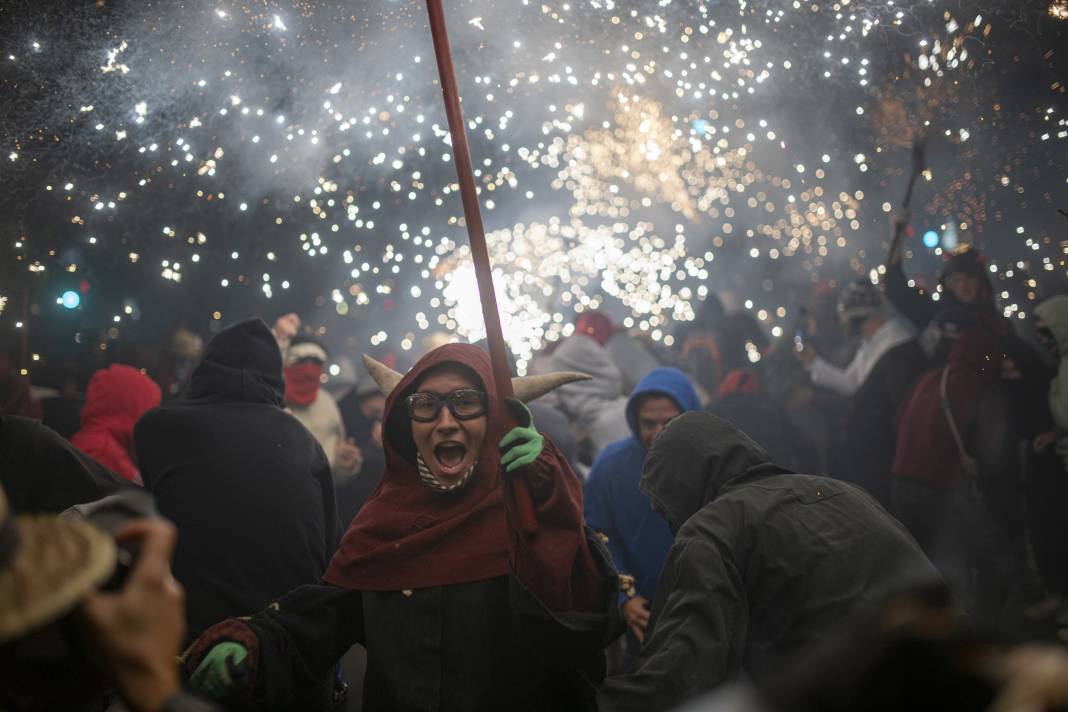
(914, 304)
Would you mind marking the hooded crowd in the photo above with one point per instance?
(865, 512)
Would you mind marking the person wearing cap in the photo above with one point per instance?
(63, 642)
(887, 363)
(467, 595)
(964, 282)
(631, 355)
(305, 359)
(966, 287)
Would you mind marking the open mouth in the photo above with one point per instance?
(450, 457)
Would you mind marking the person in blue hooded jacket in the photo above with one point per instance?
(638, 537)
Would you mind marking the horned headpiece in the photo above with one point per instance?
(526, 388)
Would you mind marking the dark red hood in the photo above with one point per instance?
(409, 536)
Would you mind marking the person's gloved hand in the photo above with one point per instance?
(523, 443)
(218, 673)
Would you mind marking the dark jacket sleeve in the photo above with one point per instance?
(696, 634)
(571, 642)
(292, 644)
(913, 304)
(331, 522)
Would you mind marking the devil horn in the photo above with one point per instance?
(527, 388)
(386, 378)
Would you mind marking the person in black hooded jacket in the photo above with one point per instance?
(246, 484)
(765, 561)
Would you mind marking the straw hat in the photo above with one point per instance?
(47, 566)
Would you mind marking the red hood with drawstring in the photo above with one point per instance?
(926, 449)
(116, 399)
(409, 536)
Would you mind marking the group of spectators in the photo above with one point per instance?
(631, 530)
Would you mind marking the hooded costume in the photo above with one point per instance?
(764, 562)
(247, 485)
(117, 398)
(458, 608)
(638, 537)
(596, 406)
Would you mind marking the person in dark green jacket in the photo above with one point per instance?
(764, 562)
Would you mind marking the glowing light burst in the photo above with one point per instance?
(562, 266)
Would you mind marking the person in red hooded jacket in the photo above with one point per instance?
(463, 601)
(116, 399)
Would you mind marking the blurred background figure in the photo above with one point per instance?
(886, 364)
(305, 362)
(15, 397)
(595, 407)
(117, 398)
(183, 351)
(361, 409)
(957, 479)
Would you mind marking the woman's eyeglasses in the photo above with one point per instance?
(464, 404)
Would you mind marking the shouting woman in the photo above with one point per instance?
(461, 604)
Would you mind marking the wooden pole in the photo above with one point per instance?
(476, 234)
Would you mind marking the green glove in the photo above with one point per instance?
(523, 443)
(215, 676)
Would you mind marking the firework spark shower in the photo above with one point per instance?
(631, 156)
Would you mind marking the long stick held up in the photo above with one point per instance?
(477, 236)
(473, 216)
(919, 164)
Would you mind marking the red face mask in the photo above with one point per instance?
(302, 382)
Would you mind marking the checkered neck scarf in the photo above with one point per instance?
(437, 485)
